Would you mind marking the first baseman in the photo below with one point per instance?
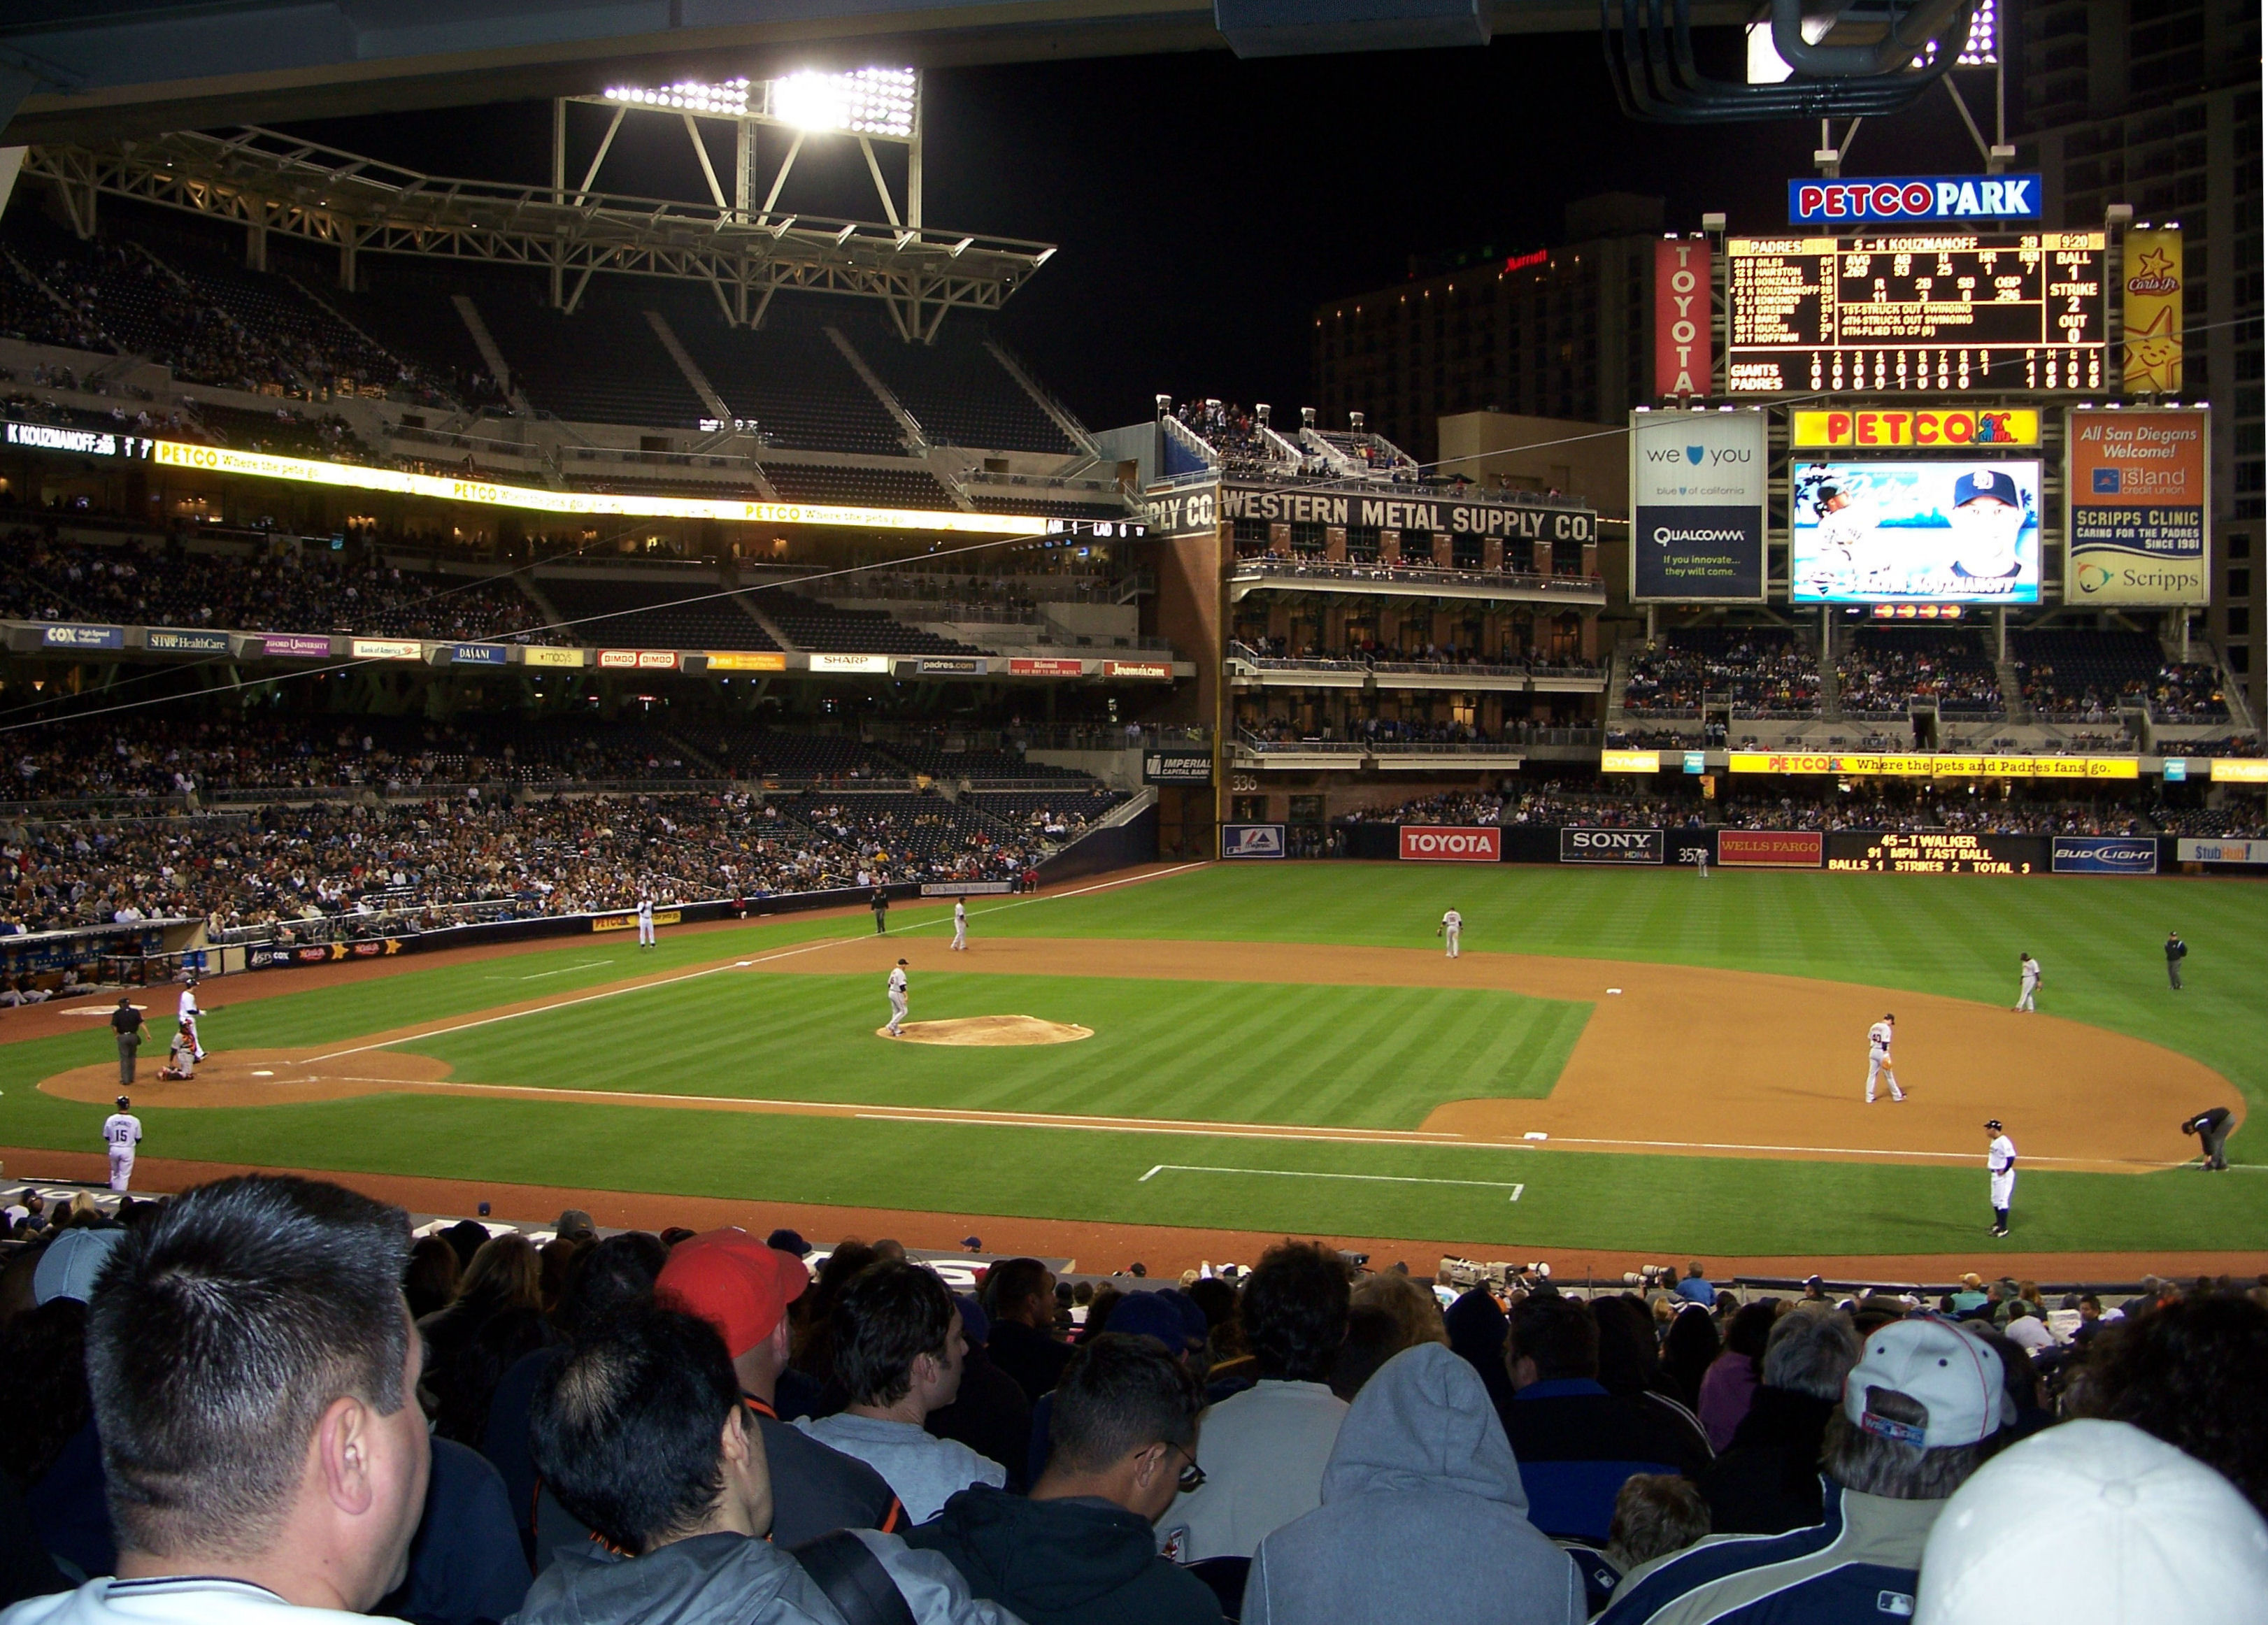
(897, 997)
(1452, 926)
(122, 1132)
(2000, 1164)
(1878, 1058)
(189, 1012)
(959, 923)
(2027, 977)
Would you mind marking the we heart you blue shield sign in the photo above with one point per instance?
(1698, 506)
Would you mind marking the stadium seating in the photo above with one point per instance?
(853, 487)
(1761, 672)
(956, 389)
(753, 750)
(811, 625)
(1884, 671)
(976, 765)
(653, 614)
(601, 364)
(789, 380)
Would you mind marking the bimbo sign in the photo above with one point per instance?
(1914, 197)
(1429, 844)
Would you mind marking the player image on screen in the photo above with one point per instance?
(1943, 532)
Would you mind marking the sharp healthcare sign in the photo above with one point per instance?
(1432, 843)
(2135, 496)
(1698, 506)
(1907, 198)
(2105, 855)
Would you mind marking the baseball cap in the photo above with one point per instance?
(1149, 1314)
(574, 1225)
(73, 1260)
(1993, 1123)
(1959, 1377)
(786, 1240)
(2103, 1522)
(732, 1281)
(1991, 482)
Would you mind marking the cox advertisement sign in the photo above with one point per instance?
(1583, 845)
(1771, 848)
(1252, 839)
(1441, 843)
(2104, 855)
(1914, 197)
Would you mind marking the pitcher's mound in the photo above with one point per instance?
(989, 1030)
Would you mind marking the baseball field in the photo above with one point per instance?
(1621, 1063)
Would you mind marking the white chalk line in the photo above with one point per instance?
(692, 975)
(1310, 1174)
(562, 971)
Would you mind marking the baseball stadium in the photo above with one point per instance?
(582, 683)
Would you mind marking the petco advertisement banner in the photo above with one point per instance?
(1610, 846)
(1439, 843)
(2135, 485)
(1771, 848)
(1252, 839)
(1698, 506)
(2105, 855)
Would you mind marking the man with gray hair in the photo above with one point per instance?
(1767, 1479)
(1921, 1411)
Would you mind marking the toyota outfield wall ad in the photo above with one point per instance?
(1698, 506)
(1440, 843)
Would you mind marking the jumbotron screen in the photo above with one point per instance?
(1941, 313)
(1951, 532)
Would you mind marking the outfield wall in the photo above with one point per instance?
(1850, 851)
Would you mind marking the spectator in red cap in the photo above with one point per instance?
(743, 1287)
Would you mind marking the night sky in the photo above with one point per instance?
(1204, 206)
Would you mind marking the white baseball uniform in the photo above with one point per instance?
(897, 997)
(2028, 971)
(960, 923)
(1878, 1062)
(122, 1132)
(2000, 1164)
(645, 922)
(1453, 924)
(189, 1012)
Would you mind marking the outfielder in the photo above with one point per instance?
(645, 922)
(2000, 1164)
(181, 1062)
(1452, 927)
(960, 923)
(2027, 974)
(122, 1132)
(1878, 1058)
(897, 997)
(189, 1012)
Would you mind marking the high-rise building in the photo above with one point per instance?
(2157, 105)
(1558, 332)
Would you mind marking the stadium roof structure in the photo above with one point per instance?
(267, 181)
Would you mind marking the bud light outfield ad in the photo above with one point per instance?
(1942, 532)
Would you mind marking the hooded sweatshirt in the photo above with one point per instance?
(1053, 1562)
(1422, 1500)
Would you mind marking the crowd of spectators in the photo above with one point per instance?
(1883, 675)
(557, 1428)
(1238, 436)
(1896, 807)
(1759, 673)
(1457, 807)
(289, 589)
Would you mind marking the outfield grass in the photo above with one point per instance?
(1262, 1053)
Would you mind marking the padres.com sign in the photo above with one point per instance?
(1440, 843)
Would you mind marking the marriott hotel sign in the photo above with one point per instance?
(1199, 509)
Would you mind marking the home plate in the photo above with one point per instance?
(989, 1031)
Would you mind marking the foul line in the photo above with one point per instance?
(1308, 1174)
(711, 970)
(563, 970)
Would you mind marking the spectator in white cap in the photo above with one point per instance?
(1918, 1416)
(2104, 1523)
(68, 1269)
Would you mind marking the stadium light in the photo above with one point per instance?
(728, 99)
(870, 101)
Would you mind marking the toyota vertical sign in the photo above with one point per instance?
(1698, 506)
(1682, 349)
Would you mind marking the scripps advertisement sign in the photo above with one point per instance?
(2135, 485)
(1698, 506)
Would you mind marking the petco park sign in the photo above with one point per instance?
(1429, 844)
(1914, 197)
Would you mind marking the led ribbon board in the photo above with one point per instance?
(263, 465)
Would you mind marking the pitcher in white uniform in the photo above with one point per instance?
(122, 1132)
(897, 997)
(1878, 1058)
(1452, 927)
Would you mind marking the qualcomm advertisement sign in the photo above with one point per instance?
(1698, 506)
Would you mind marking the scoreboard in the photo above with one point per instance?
(1936, 314)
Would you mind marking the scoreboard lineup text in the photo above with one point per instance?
(1941, 313)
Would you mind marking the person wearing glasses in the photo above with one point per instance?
(1123, 1445)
